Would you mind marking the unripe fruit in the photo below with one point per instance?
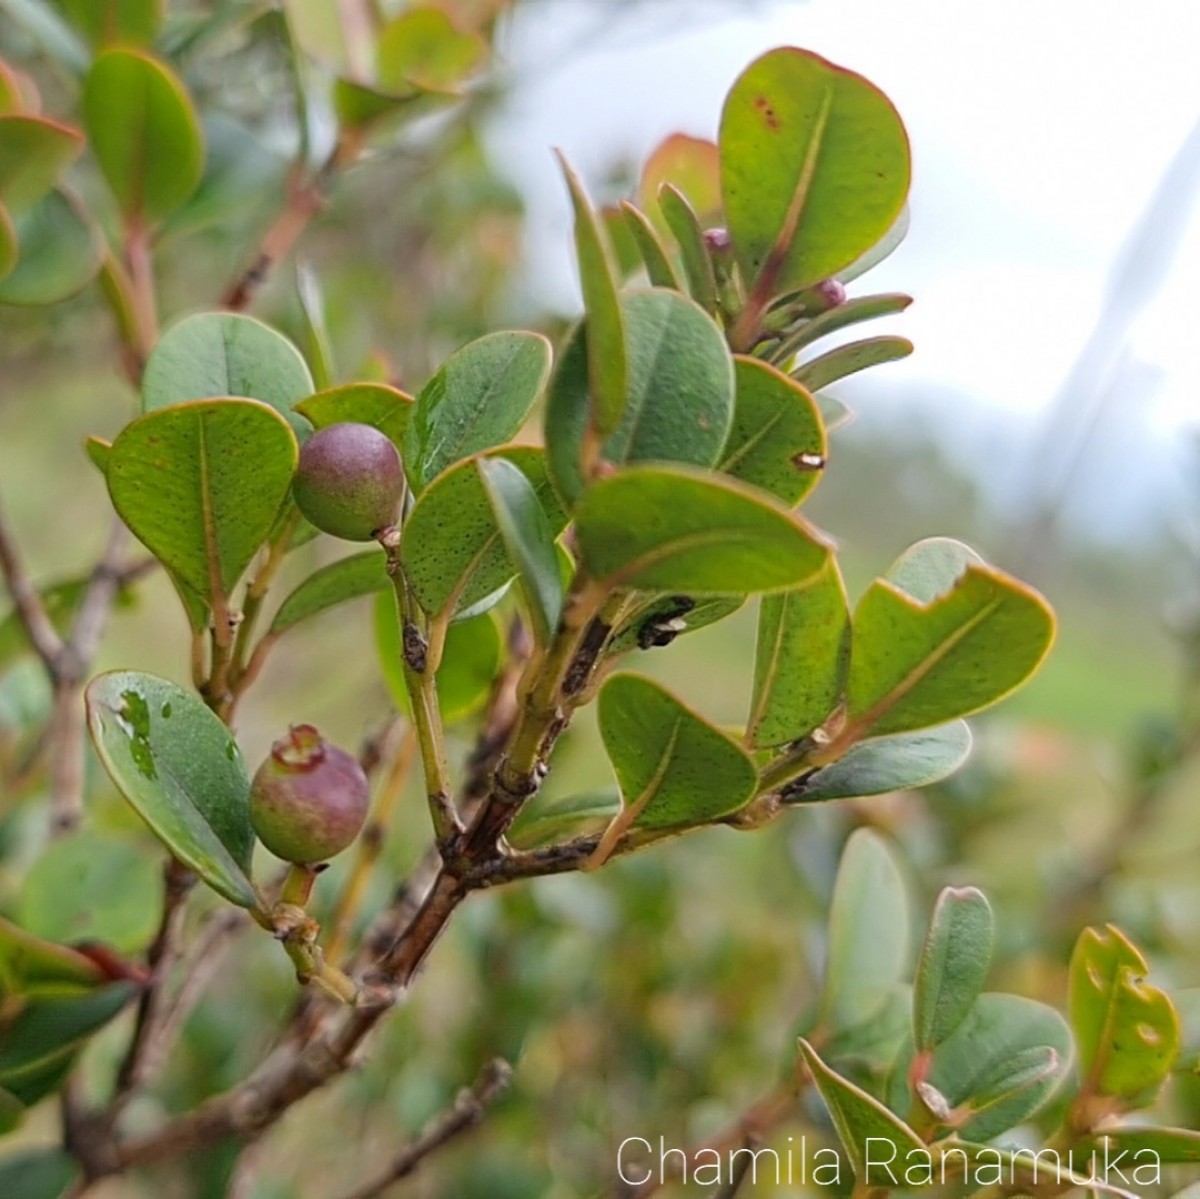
(349, 481)
(309, 799)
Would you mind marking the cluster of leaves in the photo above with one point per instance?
(684, 421)
(926, 1076)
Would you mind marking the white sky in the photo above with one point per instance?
(1040, 129)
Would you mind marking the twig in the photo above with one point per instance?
(27, 604)
(741, 1170)
(142, 1058)
(466, 1113)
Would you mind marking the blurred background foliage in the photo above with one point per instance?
(660, 997)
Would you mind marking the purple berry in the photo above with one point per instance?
(309, 799)
(349, 481)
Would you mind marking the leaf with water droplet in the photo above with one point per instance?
(187, 781)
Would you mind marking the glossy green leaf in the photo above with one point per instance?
(898, 763)
(850, 359)
(38, 1174)
(117, 22)
(875, 1140)
(340, 581)
(60, 253)
(8, 244)
(375, 404)
(659, 268)
(605, 338)
(953, 965)
(92, 886)
(685, 227)
(869, 933)
(423, 48)
(1127, 1029)
(692, 166)
(529, 540)
(682, 530)
(800, 661)
(226, 354)
(200, 484)
(34, 152)
(181, 769)
(844, 316)
(674, 768)
(144, 132)
(452, 549)
(882, 249)
(479, 398)
(30, 965)
(12, 99)
(680, 400)
(470, 661)
(814, 168)
(922, 657)
(47, 1028)
(777, 441)
(999, 1066)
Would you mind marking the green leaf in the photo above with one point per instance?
(340, 581)
(200, 484)
(181, 769)
(680, 391)
(697, 265)
(37, 1174)
(674, 768)
(800, 662)
(869, 932)
(1145, 1145)
(921, 658)
(953, 965)
(814, 168)
(1127, 1029)
(607, 375)
(864, 1126)
(470, 661)
(576, 816)
(311, 299)
(777, 441)
(881, 250)
(144, 132)
(47, 1028)
(375, 404)
(691, 165)
(527, 536)
(898, 763)
(452, 549)
(422, 48)
(850, 359)
(479, 398)
(112, 22)
(34, 152)
(93, 887)
(31, 966)
(852, 312)
(999, 1066)
(60, 253)
(659, 268)
(216, 354)
(683, 530)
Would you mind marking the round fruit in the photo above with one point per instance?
(309, 799)
(349, 481)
